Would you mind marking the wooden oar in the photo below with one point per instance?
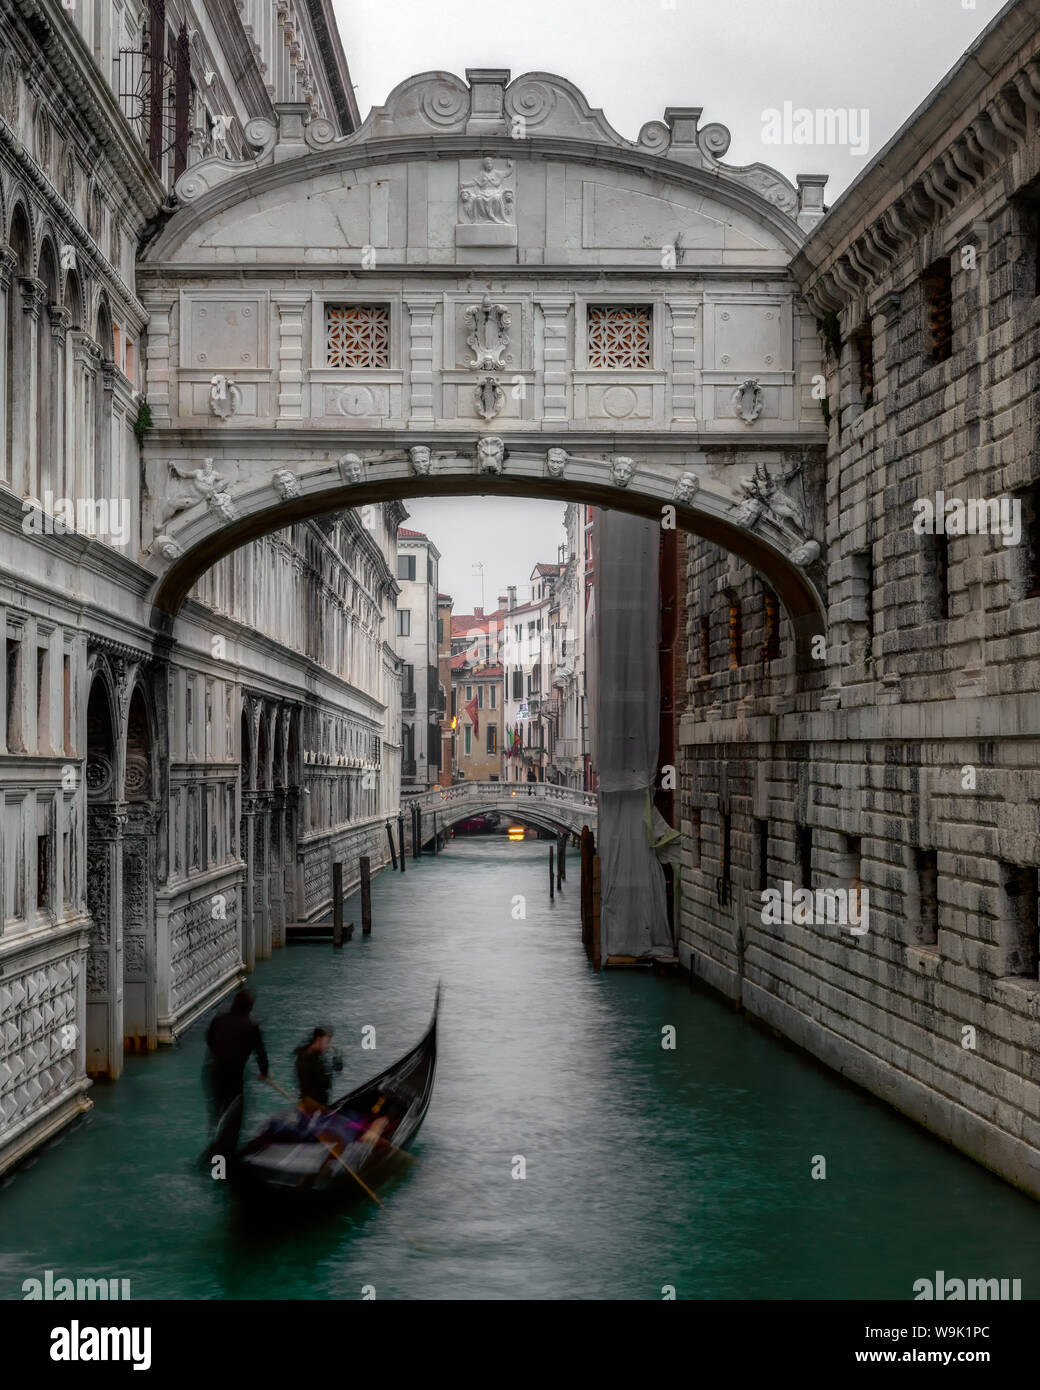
(346, 1166)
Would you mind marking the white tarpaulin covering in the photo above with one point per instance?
(622, 657)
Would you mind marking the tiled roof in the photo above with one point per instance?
(542, 568)
(412, 535)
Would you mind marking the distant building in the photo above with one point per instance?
(416, 642)
(477, 700)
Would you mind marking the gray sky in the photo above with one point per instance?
(633, 58)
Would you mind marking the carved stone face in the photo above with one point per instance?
(621, 470)
(351, 469)
(556, 462)
(490, 454)
(286, 484)
(420, 457)
(686, 487)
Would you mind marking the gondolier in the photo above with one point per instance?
(232, 1038)
(314, 1068)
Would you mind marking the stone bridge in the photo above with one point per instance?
(539, 804)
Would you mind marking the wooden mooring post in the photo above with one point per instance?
(390, 837)
(552, 893)
(337, 906)
(416, 831)
(588, 849)
(595, 913)
(400, 841)
(559, 863)
(366, 895)
(563, 858)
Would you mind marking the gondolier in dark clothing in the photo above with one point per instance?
(232, 1038)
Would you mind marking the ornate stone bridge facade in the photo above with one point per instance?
(485, 289)
(532, 803)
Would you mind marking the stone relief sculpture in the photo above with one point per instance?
(491, 454)
(286, 484)
(167, 547)
(421, 460)
(483, 198)
(621, 470)
(488, 397)
(351, 469)
(806, 554)
(204, 485)
(224, 397)
(748, 400)
(764, 495)
(489, 335)
(686, 487)
(556, 462)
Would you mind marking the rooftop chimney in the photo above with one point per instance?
(512, 595)
(478, 612)
(503, 600)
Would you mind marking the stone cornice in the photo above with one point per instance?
(234, 44)
(58, 39)
(151, 276)
(325, 31)
(966, 130)
(239, 443)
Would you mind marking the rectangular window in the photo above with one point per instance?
(723, 885)
(406, 566)
(619, 335)
(469, 693)
(926, 918)
(480, 697)
(43, 703)
(14, 860)
(491, 693)
(14, 695)
(935, 575)
(803, 835)
(771, 636)
(518, 683)
(469, 739)
(937, 287)
(66, 677)
(357, 335)
(736, 635)
(1027, 554)
(695, 836)
(762, 834)
(404, 622)
(440, 632)
(705, 629)
(492, 739)
(1020, 923)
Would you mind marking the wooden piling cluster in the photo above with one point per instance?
(590, 897)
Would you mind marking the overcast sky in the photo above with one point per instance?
(736, 59)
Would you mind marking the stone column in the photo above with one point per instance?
(685, 376)
(87, 368)
(55, 468)
(246, 834)
(105, 826)
(8, 265)
(34, 293)
(555, 367)
(420, 357)
(158, 358)
(291, 309)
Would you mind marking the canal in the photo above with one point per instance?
(645, 1167)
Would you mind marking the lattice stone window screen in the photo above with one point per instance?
(619, 335)
(357, 335)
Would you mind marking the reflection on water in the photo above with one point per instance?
(643, 1167)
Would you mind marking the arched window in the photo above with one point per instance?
(17, 380)
(73, 300)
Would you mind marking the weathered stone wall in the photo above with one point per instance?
(911, 760)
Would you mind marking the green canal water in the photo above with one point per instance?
(645, 1167)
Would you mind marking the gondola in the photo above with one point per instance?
(357, 1137)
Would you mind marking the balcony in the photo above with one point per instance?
(408, 699)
